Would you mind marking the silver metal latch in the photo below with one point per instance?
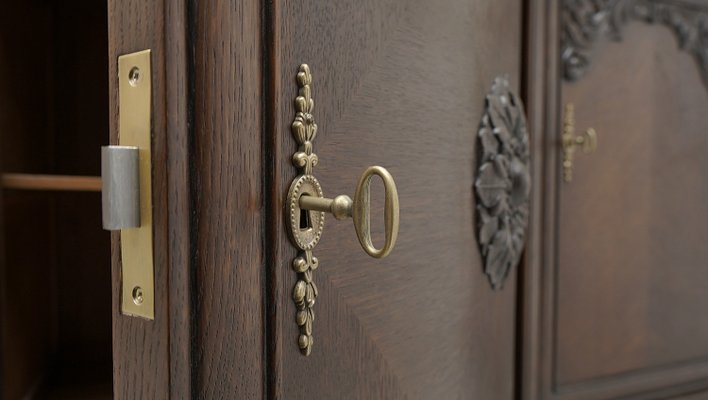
(121, 187)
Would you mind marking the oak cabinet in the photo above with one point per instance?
(522, 269)
(617, 278)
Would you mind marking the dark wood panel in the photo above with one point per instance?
(227, 189)
(615, 314)
(398, 84)
(181, 293)
(629, 296)
(146, 353)
(541, 83)
(694, 396)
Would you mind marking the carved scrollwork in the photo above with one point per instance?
(586, 21)
(503, 182)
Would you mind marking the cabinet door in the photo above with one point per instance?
(400, 84)
(151, 358)
(624, 271)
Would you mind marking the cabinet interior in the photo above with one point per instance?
(55, 278)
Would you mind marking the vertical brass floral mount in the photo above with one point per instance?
(587, 141)
(306, 206)
(309, 231)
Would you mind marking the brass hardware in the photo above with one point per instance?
(138, 295)
(343, 207)
(307, 207)
(587, 141)
(136, 243)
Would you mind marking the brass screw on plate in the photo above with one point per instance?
(138, 295)
(134, 76)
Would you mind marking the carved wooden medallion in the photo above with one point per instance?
(503, 182)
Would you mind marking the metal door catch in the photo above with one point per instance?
(127, 185)
(121, 187)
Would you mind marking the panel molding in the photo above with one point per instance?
(586, 22)
(679, 378)
(545, 45)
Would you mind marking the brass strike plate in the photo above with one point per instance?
(135, 88)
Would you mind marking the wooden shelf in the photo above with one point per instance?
(51, 182)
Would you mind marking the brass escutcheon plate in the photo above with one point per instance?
(305, 233)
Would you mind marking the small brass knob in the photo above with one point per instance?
(587, 141)
(359, 209)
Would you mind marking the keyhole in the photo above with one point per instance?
(305, 221)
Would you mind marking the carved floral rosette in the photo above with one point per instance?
(587, 21)
(503, 181)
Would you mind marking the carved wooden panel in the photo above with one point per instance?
(587, 21)
(615, 277)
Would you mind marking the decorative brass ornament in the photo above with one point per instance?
(503, 182)
(570, 141)
(307, 206)
(307, 235)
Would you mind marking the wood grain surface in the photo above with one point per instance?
(227, 189)
(51, 182)
(694, 396)
(399, 84)
(178, 121)
(633, 222)
(147, 353)
(541, 90)
(617, 279)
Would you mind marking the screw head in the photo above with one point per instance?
(134, 76)
(138, 295)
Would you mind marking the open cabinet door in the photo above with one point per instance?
(206, 336)
(151, 357)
